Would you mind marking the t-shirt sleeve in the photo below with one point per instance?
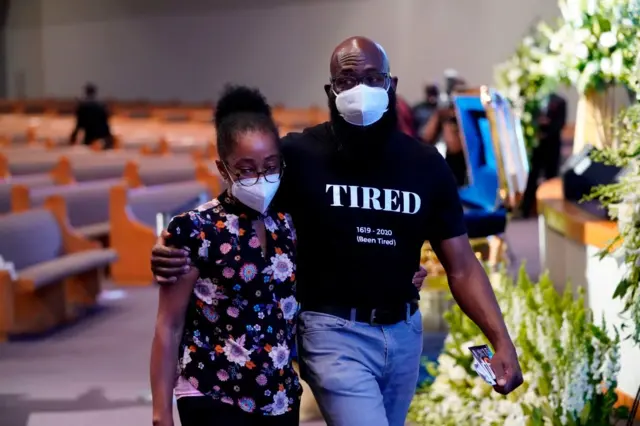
(187, 233)
(447, 217)
(283, 200)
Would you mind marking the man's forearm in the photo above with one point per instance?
(473, 292)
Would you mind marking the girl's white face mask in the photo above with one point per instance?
(257, 196)
(362, 105)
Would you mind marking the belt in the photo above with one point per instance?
(372, 316)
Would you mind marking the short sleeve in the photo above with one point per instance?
(446, 220)
(285, 194)
(186, 232)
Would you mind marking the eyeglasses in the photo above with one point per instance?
(346, 82)
(249, 176)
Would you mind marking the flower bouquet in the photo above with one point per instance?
(596, 44)
(569, 365)
(623, 200)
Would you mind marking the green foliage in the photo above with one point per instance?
(568, 361)
(623, 201)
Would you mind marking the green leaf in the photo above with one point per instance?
(586, 412)
(621, 413)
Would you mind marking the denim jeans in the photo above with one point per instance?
(360, 374)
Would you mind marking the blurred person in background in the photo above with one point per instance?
(443, 126)
(545, 159)
(92, 117)
(423, 111)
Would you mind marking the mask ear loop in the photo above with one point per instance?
(228, 179)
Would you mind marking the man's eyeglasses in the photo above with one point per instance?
(249, 176)
(342, 83)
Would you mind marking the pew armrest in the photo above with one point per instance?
(210, 180)
(6, 304)
(132, 174)
(62, 173)
(72, 240)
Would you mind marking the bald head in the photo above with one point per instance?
(358, 55)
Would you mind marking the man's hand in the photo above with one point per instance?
(419, 277)
(168, 263)
(506, 367)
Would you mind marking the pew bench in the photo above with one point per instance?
(57, 272)
(29, 181)
(85, 205)
(96, 166)
(132, 217)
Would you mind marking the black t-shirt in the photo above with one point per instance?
(361, 220)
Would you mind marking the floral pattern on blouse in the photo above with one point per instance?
(240, 323)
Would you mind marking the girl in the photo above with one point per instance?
(229, 323)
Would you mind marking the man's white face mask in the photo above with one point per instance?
(362, 105)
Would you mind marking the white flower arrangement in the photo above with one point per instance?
(526, 78)
(596, 42)
(623, 200)
(569, 365)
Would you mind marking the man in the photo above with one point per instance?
(364, 197)
(423, 111)
(92, 118)
(545, 158)
(443, 125)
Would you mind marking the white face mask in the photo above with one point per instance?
(258, 196)
(362, 105)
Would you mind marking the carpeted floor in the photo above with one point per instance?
(95, 373)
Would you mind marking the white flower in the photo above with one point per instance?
(550, 66)
(281, 267)
(235, 350)
(280, 355)
(608, 39)
(232, 224)
(514, 74)
(581, 51)
(269, 224)
(458, 374)
(617, 64)
(289, 307)
(203, 250)
(280, 404)
(186, 357)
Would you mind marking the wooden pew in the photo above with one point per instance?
(57, 272)
(34, 160)
(28, 181)
(97, 166)
(170, 169)
(132, 217)
(86, 204)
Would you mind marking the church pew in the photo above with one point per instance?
(149, 171)
(29, 181)
(97, 166)
(56, 274)
(207, 173)
(132, 217)
(86, 204)
(35, 160)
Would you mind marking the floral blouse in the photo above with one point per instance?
(240, 323)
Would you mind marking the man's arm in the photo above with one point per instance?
(472, 290)
(467, 278)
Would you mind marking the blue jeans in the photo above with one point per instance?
(360, 374)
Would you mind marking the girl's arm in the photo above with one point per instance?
(172, 307)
